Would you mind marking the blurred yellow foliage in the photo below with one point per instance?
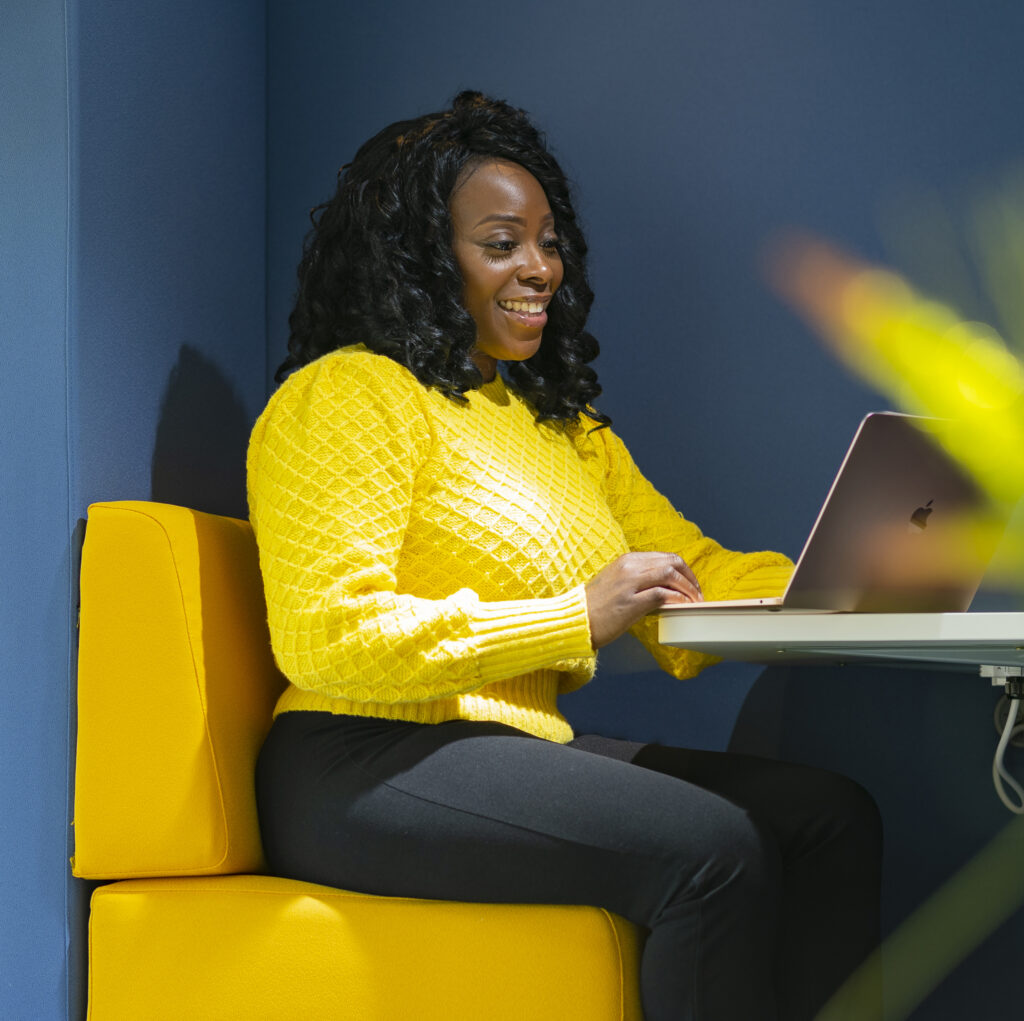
(930, 361)
(919, 353)
(923, 356)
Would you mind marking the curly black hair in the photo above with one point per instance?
(378, 266)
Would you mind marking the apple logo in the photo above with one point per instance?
(919, 519)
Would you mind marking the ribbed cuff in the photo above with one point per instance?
(518, 636)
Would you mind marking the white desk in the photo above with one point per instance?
(949, 639)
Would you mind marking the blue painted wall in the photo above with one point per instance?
(132, 197)
(137, 180)
(694, 131)
(168, 228)
(35, 518)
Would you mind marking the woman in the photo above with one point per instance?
(443, 551)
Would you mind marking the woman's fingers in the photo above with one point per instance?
(666, 570)
(633, 586)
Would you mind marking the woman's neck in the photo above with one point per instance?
(487, 365)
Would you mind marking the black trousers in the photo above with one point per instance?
(758, 881)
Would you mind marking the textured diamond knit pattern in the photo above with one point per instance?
(425, 559)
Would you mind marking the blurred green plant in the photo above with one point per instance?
(932, 361)
(940, 934)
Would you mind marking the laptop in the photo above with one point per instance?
(901, 530)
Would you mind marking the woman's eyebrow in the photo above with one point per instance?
(511, 218)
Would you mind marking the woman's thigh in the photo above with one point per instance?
(482, 812)
(801, 806)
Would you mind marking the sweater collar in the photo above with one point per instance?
(495, 391)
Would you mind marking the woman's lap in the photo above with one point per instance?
(743, 857)
(483, 812)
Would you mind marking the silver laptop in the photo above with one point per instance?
(898, 532)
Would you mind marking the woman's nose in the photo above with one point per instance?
(537, 266)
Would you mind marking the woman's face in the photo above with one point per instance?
(503, 236)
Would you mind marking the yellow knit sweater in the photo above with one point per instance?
(425, 560)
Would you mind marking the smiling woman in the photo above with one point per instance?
(381, 265)
(503, 235)
(448, 531)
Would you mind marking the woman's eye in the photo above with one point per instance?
(504, 247)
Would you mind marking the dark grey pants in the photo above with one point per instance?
(758, 881)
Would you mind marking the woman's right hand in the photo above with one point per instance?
(633, 586)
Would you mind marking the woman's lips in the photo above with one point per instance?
(525, 311)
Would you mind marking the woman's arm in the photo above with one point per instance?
(650, 523)
(332, 467)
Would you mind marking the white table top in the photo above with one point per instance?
(950, 639)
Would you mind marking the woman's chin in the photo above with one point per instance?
(509, 351)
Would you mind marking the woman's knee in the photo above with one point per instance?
(841, 823)
(853, 810)
(733, 860)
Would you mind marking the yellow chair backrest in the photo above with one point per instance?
(176, 686)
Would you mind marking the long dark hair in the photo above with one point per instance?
(378, 267)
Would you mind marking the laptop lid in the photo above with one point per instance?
(901, 529)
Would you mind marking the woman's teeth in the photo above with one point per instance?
(533, 307)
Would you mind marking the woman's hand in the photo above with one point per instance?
(632, 586)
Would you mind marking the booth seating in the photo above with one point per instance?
(176, 685)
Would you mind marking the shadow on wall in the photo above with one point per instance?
(201, 440)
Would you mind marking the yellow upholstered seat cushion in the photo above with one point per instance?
(254, 947)
(176, 690)
(176, 687)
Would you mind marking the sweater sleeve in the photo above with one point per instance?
(650, 523)
(331, 470)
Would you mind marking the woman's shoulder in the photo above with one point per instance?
(340, 390)
(350, 377)
(347, 369)
(592, 438)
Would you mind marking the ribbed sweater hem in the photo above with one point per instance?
(528, 703)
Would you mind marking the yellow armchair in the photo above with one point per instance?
(176, 685)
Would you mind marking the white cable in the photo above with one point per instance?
(1000, 777)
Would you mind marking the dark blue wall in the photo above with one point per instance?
(134, 182)
(132, 197)
(694, 132)
(168, 228)
(35, 518)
